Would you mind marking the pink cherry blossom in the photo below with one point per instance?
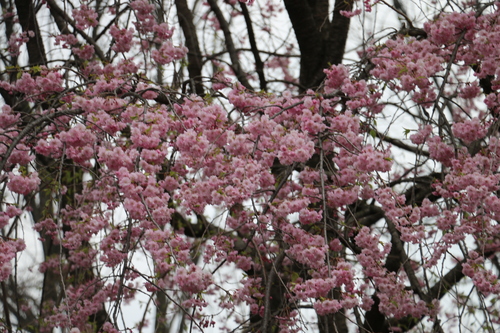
(85, 17)
(235, 173)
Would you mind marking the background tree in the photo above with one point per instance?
(216, 166)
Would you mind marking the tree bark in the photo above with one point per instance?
(195, 61)
(321, 40)
(29, 23)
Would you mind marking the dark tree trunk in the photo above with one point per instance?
(29, 24)
(321, 40)
(194, 55)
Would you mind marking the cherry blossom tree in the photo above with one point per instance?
(267, 166)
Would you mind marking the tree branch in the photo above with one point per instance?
(31, 127)
(401, 144)
(259, 65)
(56, 11)
(194, 54)
(270, 282)
(233, 55)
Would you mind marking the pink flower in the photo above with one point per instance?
(294, 147)
(163, 31)
(440, 150)
(145, 20)
(78, 136)
(50, 82)
(21, 155)
(469, 130)
(8, 117)
(371, 160)
(421, 135)
(327, 306)
(16, 41)
(192, 279)
(123, 38)
(168, 53)
(67, 40)
(86, 52)
(23, 184)
(350, 14)
(85, 17)
(335, 77)
(8, 250)
(26, 84)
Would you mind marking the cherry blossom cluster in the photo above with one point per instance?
(284, 171)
